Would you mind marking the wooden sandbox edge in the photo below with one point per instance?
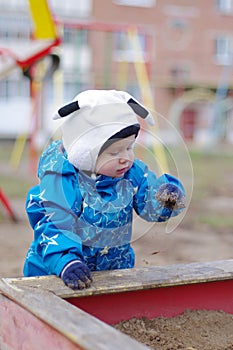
(76, 328)
(116, 281)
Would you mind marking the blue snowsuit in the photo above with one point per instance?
(75, 216)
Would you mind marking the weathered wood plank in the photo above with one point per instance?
(20, 329)
(116, 281)
(77, 326)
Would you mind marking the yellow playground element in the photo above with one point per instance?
(44, 27)
(146, 93)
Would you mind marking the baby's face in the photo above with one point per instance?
(117, 158)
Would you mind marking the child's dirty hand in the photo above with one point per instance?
(76, 275)
(170, 196)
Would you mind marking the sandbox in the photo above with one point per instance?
(42, 311)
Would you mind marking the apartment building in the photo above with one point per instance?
(188, 50)
(182, 49)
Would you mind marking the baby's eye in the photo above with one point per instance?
(113, 154)
(131, 146)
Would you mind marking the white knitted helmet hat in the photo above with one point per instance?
(92, 118)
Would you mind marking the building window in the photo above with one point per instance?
(223, 50)
(70, 8)
(75, 36)
(225, 6)
(180, 73)
(13, 5)
(136, 3)
(69, 35)
(12, 87)
(125, 48)
(15, 28)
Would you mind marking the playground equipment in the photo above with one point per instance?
(7, 205)
(146, 92)
(42, 312)
(37, 69)
(45, 39)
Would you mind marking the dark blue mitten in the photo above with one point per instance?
(170, 196)
(76, 275)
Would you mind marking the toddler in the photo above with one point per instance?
(90, 183)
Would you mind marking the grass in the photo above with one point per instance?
(217, 221)
(213, 178)
(14, 182)
(15, 187)
(212, 174)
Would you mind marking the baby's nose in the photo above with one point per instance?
(123, 160)
(124, 157)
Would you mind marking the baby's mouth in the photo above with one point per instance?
(123, 170)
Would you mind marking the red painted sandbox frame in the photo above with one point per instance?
(42, 312)
(168, 302)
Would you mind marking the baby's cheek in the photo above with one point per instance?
(105, 167)
(132, 157)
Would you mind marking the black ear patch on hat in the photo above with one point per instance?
(74, 106)
(68, 109)
(138, 109)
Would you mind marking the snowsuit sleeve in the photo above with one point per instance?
(147, 184)
(53, 208)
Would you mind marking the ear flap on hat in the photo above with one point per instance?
(138, 109)
(68, 109)
(141, 111)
